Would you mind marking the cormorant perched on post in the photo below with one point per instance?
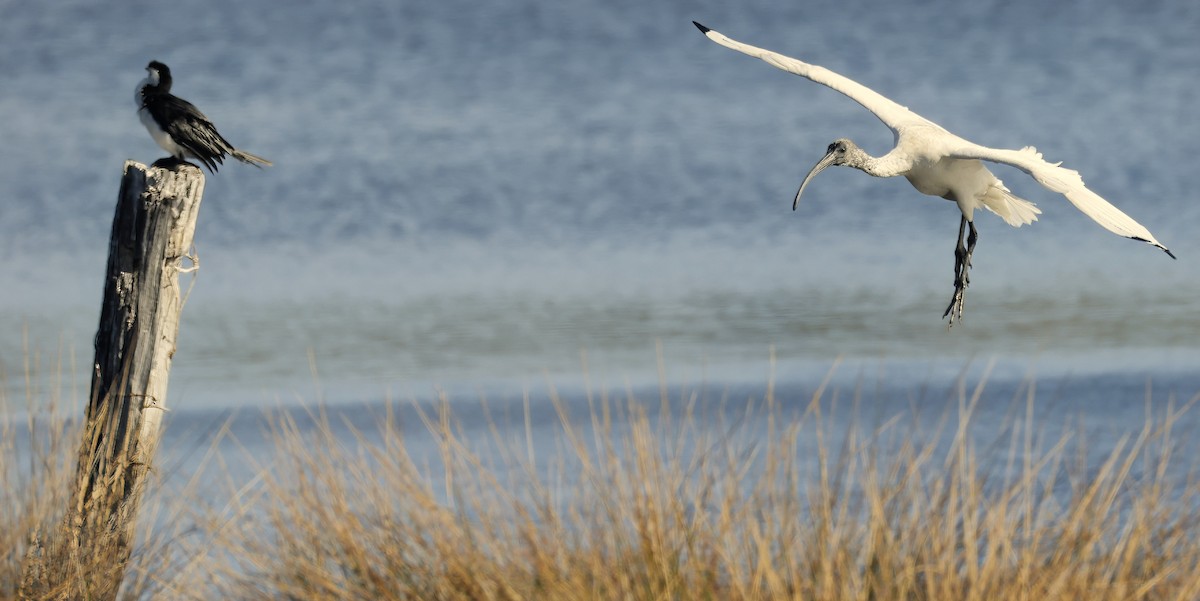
(179, 127)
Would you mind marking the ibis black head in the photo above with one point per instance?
(840, 152)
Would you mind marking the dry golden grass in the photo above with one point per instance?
(629, 502)
(35, 478)
(38, 450)
(637, 506)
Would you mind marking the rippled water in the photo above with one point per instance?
(469, 196)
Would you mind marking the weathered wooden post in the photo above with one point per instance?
(139, 321)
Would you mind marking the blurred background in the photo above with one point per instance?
(479, 196)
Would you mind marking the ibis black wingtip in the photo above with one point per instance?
(702, 28)
(1155, 244)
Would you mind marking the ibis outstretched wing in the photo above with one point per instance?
(888, 111)
(1067, 182)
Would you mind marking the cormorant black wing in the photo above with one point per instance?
(189, 128)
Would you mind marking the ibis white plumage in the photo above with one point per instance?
(939, 163)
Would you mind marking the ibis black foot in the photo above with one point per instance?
(962, 268)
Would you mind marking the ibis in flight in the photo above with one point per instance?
(939, 163)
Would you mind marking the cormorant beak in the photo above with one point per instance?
(826, 161)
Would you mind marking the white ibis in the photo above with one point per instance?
(939, 163)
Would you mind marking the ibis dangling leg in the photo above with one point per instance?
(962, 266)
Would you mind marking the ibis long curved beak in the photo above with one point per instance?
(826, 161)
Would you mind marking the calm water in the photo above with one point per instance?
(472, 196)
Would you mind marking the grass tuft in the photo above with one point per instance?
(684, 498)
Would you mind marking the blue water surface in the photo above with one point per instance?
(480, 197)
